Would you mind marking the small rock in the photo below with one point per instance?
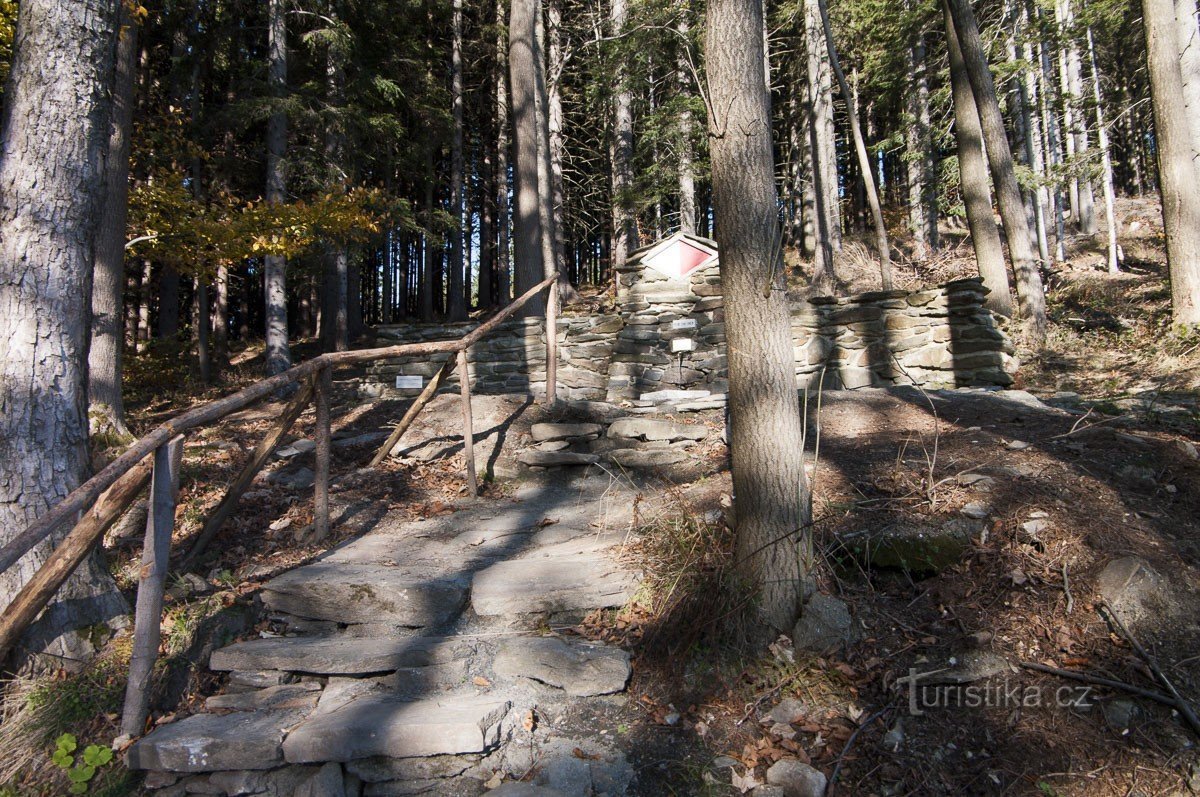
(295, 449)
(976, 510)
(328, 782)
(553, 445)
(300, 479)
(788, 711)
(1131, 587)
(1016, 445)
(823, 626)
(1188, 449)
(1030, 531)
(1139, 476)
(797, 779)
(767, 790)
(1120, 713)
(893, 740)
(783, 731)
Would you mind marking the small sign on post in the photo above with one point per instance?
(405, 382)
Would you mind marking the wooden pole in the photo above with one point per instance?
(229, 503)
(413, 411)
(464, 381)
(74, 548)
(552, 346)
(147, 630)
(324, 387)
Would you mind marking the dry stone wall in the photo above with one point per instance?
(668, 335)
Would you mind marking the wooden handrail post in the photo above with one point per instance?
(464, 381)
(147, 631)
(552, 345)
(324, 387)
(410, 415)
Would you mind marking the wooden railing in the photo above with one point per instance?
(105, 497)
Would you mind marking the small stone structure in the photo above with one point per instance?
(667, 333)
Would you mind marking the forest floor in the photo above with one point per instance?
(1110, 473)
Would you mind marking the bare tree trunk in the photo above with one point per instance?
(1188, 34)
(683, 79)
(1110, 198)
(456, 306)
(860, 146)
(220, 319)
(973, 180)
(624, 223)
(922, 178)
(1085, 221)
(52, 184)
(824, 151)
(1031, 124)
(770, 489)
(528, 254)
(1178, 175)
(1030, 294)
(503, 260)
(429, 248)
(1048, 100)
(106, 408)
(278, 355)
(550, 191)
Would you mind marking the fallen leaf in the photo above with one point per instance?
(744, 783)
(479, 680)
(530, 721)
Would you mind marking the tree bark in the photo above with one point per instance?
(1030, 294)
(52, 182)
(278, 355)
(973, 182)
(624, 221)
(456, 306)
(683, 79)
(824, 149)
(105, 404)
(1178, 175)
(503, 258)
(528, 254)
(1106, 174)
(1188, 37)
(1084, 207)
(922, 180)
(770, 488)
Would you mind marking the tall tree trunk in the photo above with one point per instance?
(1047, 99)
(772, 503)
(52, 184)
(336, 311)
(220, 319)
(973, 180)
(1085, 220)
(824, 150)
(1188, 37)
(167, 323)
(860, 146)
(529, 256)
(1027, 94)
(624, 222)
(1030, 294)
(106, 406)
(1178, 174)
(683, 80)
(278, 355)
(1106, 174)
(456, 307)
(503, 259)
(922, 177)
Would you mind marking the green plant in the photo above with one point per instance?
(81, 770)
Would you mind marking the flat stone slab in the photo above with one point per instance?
(647, 458)
(303, 695)
(580, 669)
(553, 459)
(338, 655)
(213, 742)
(545, 432)
(384, 725)
(652, 429)
(552, 584)
(365, 593)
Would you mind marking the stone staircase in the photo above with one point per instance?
(426, 657)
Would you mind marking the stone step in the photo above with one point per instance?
(386, 725)
(366, 593)
(212, 742)
(552, 584)
(339, 655)
(581, 669)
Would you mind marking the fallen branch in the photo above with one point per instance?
(1096, 680)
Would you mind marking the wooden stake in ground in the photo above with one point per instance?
(464, 381)
(147, 633)
(323, 383)
(229, 503)
(34, 596)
